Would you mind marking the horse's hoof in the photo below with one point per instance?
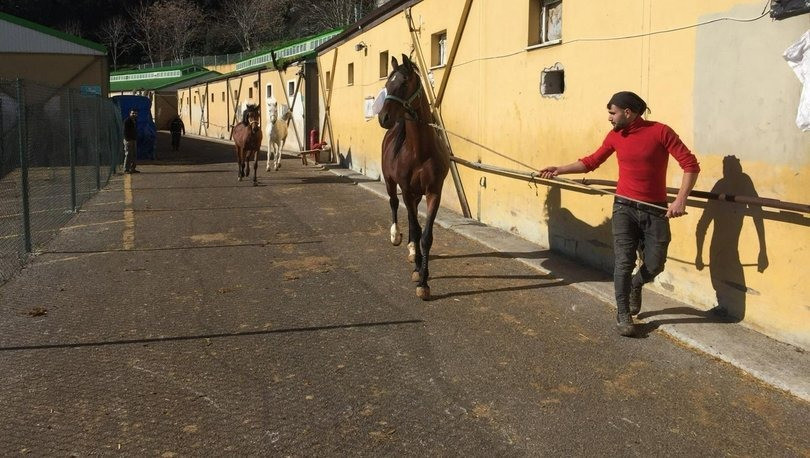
(423, 292)
(415, 277)
(396, 236)
(240, 178)
(255, 183)
(267, 169)
(411, 252)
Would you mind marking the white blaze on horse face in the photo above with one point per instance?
(396, 236)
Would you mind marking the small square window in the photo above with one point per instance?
(438, 46)
(384, 64)
(545, 21)
(291, 88)
(351, 74)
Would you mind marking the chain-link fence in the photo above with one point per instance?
(58, 148)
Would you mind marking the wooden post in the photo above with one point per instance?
(462, 23)
(462, 197)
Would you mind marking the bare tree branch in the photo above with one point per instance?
(114, 35)
(253, 22)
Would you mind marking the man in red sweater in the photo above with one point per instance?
(642, 150)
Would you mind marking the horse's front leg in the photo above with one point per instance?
(414, 234)
(239, 163)
(422, 289)
(277, 153)
(269, 153)
(255, 166)
(393, 202)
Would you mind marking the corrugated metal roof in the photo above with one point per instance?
(18, 35)
(160, 83)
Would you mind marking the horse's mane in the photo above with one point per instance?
(249, 108)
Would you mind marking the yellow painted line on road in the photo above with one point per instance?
(129, 215)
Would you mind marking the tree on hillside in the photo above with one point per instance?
(253, 22)
(321, 15)
(179, 23)
(166, 29)
(144, 29)
(114, 34)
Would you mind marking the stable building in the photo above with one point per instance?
(521, 85)
(160, 85)
(33, 52)
(279, 80)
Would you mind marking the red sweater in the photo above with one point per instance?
(643, 150)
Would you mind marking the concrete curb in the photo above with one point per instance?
(775, 363)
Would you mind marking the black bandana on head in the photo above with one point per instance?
(631, 100)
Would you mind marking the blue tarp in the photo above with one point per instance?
(146, 126)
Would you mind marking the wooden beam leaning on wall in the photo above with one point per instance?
(327, 100)
(235, 99)
(286, 97)
(462, 197)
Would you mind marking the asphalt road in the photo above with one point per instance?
(184, 313)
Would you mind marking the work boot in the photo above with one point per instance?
(624, 325)
(635, 300)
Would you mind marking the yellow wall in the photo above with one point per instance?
(723, 86)
(211, 117)
(57, 69)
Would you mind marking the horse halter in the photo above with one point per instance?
(406, 103)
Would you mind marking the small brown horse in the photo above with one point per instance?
(414, 158)
(247, 136)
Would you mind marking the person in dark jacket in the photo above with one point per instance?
(131, 141)
(177, 128)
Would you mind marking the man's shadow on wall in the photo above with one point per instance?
(725, 265)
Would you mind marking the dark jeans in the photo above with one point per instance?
(175, 141)
(637, 229)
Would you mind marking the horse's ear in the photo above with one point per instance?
(407, 62)
(394, 62)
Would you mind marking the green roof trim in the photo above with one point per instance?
(53, 32)
(157, 83)
(293, 48)
(157, 69)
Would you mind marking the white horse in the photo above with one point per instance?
(276, 137)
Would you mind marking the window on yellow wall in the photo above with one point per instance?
(250, 92)
(384, 64)
(291, 88)
(236, 94)
(438, 49)
(350, 75)
(223, 96)
(212, 97)
(545, 21)
(269, 91)
(328, 80)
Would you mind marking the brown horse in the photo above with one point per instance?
(247, 136)
(414, 158)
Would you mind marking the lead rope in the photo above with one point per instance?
(533, 175)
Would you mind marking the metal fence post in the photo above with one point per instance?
(97, 145)
(72, 151)
(2, 143)
(22, 138)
